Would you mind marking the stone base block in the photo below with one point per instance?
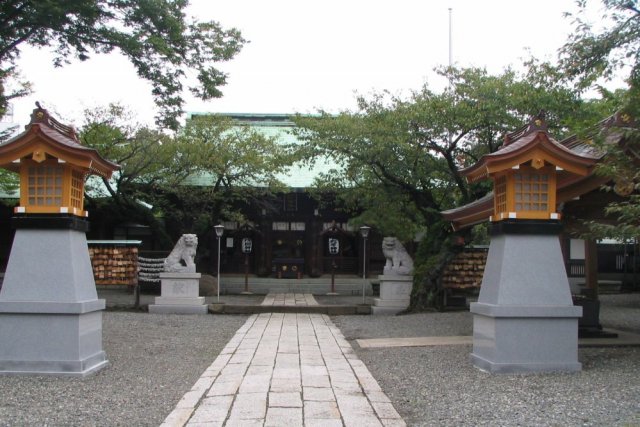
(402, 303)
(395, 294)
(525, 339)
(179, 301)
(68, 344)
(177, 309)
(179, 295)
(180, 285)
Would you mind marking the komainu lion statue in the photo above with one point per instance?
(183, 251)
(399, 263)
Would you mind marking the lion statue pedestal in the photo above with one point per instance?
(180, 284)
(397, 281)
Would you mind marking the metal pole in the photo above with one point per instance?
(246, 273)
(364, 267)
(218, 237)
(333, 275)
(450, 41)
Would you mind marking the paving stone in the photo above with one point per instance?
(235, 368)
(220, 362)
(259, 370)
(323, 410)
(278, 417)
(206, 424)
(264, 360)
(249, 406)
(287, 360)
(293, 373)
(190, 399)
(285, 385)
(385, 410)
(313, 370)
(285, 399)
(360, 421)
(203, 383)
(236, 422)
(177, 417)
(348, 386)
(324, 394)
(255, 384)
(377, 396)
(281, 369)
(354, 405)
(314, 422)
(316, 381)
(240, 358)
(224, 388)
(212, 409)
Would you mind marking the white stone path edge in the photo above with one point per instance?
(286, 369)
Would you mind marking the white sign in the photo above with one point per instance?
(334, 246)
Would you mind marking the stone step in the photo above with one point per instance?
(318, 286)
(331, 310)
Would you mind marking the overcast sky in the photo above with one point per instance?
(307, 55)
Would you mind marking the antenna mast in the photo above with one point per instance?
(450, 44)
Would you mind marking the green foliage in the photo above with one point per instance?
(144, 155)
(397, 161)
(230, 154)
(155, 35)
(200, 175)
(595, 54)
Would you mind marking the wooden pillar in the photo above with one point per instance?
(591, 268)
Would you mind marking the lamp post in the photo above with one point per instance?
(219, 231)
(364, 231)
(247, 245)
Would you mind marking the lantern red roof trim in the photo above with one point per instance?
(57, 140)
(576, 148)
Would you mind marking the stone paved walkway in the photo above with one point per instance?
(288, 369)
(289, 299)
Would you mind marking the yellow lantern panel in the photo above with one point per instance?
(51, 186)
(525, 193)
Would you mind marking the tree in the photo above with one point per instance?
(228, 164)
(198, 175)
(589, 57)
(145, 155)
(397, 161)
(155, 35)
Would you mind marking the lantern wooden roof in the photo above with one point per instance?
(575, 156)
(531, 143)
(45, 136)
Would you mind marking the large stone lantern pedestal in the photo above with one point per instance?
(525, 320)
(50, 314)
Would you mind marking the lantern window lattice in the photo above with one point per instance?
(77, 189)
(531, 192)
(45, 185)
(500, 190)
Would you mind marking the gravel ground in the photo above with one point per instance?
(155, 359)
(432, 386)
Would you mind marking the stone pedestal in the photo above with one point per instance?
(179, 294)
(50, 314)
(525, 320)
(395, 294)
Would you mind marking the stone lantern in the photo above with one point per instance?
(50, 316)
(525, 320)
